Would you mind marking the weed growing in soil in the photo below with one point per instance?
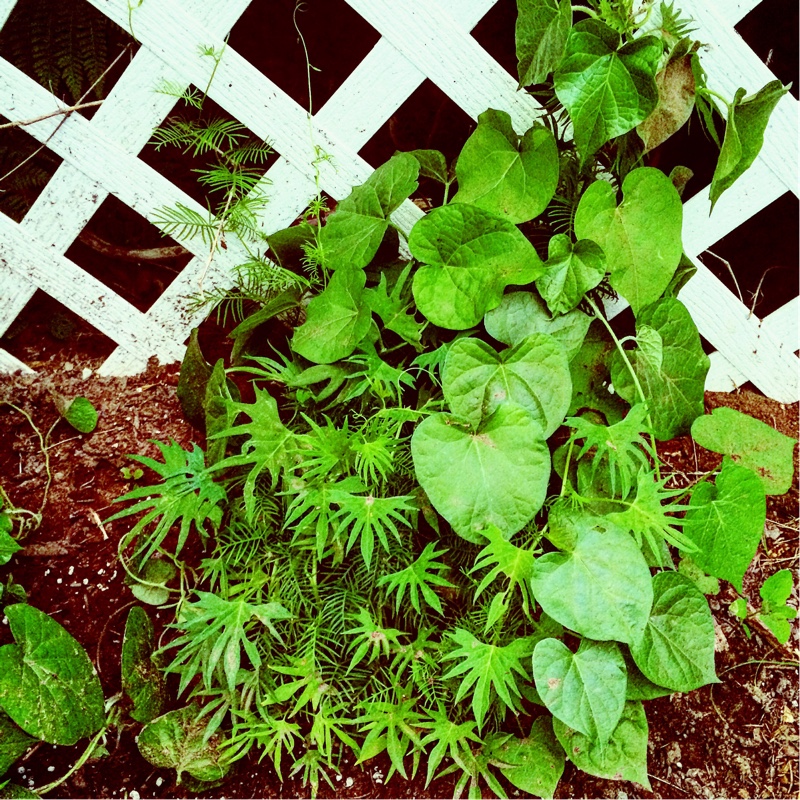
(440, 530)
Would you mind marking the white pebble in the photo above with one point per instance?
(85, 581)
(68, 366)
(70, 570)
(46, 572)
(349, 782)
(58, 580)
(51, 769)
(159, 781)
(21, 770)
(87, 373)
(135, 795)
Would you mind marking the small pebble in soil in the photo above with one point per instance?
(70, 570)
(85, 581)
(21, 770)
(159, 781)
(338, 777)
(51, 769)
(5, 620)
(349, 782)
(68, 366)
(46, 572)
(134, 795)
(87, 373)
(58, 580)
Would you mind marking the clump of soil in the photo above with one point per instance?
(737, 738)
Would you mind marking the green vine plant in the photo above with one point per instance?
(441, 531)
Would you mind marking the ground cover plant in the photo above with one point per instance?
(440, 530)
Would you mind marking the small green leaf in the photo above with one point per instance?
(623, 757)
(585, 690)
(353, 233)
(13, 742)
(511, 176)
(81, 414)
(777, 589)
(707, 584)
(541, 35)
(571, 271)
(393, 309)
(521, 314)
(155, 576)
(175, 741)
(195, 372)
(600, 589)
(476, 379)
(677, 647)
(220, 412)
(141, 678)
(469, 256)
(641, 237)
(495, 476)
(744, 135)
(48, 686)
(672, 372)
(608, 90)
(432, 164)
(336, 320)
(725, 521)
(751, 443)
(533, 765)
(8, 546)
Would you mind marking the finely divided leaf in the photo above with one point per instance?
(725, 522)
(677, 647)
(504, 174)
(495, 476)
(535, 375)
(353, 233)
(641, 237)
(469, 256)
(751, 443)
(607, 89)
(586, 689)
(541, 34)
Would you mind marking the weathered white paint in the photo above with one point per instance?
(420, 39)
(6, 7)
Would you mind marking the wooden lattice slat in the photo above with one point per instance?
(420, 39)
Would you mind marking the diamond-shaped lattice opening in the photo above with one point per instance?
(25, 169)
(195, 149)
(128, 254)
(429, 119)
(47, 333)
(771, 31)
(337, 39)
(763, 255)
(495, 33)
(68, 47)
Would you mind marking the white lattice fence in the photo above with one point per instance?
(420, 39)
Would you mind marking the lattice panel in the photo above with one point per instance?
(420, 39)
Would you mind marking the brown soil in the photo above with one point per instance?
(738, 738)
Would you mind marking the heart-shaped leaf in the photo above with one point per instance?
(608, 90)
(353, 233)
(671, 367)
(336, 320)
(641, 236)
(48, 686)
(585, 690)
(601, 588)
(534, 374)
(81, 414)
(511, 176)
(541, 34)
(470, 256)
(13, 742)
(8, 544)
(497, 476)
(676, 649)
(570, 271)
(751, 443)
(725, 522)
(623, 757)
(744, 135)
(521, 314)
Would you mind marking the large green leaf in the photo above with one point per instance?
(13, 742)
(671, 367)
(48, 686)
(469, 257)
(571, 270)
(541, 34)
(641, 236)
(751, 443)
(726, 521)
(744, 135)
(497, 476)
(607, 89)
(677, 647)
(586, 689)
(601, 588)
(521, 314)
(623, 757)
(511, 176)
(336, 320)
(175, 741)
(142, 681)
(533, 765)
(353, 233)
(535, 375)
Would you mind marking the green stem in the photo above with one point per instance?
(566, 468)
(600, 316)
(78, 764)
